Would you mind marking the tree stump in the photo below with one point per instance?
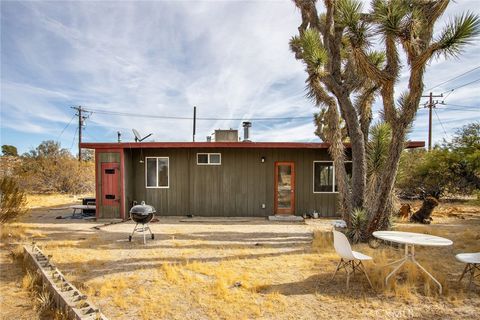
(423, 215)
(405, 211)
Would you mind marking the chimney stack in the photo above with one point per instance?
(246, 130)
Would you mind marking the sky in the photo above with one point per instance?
(231, 59)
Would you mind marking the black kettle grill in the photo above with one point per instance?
(142, 214)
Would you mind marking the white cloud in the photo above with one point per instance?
(231, 59)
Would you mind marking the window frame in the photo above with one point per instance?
(168, 173)
(334, 178)
(208, 159)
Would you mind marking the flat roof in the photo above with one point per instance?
(233, 145)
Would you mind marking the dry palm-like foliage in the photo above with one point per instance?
(358, 223)
(344, 75)
(377, 151)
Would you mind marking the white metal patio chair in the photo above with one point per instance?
(349, 260)
(472, 261)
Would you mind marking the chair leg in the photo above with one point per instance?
(472, 275)
(350, 264)
(464, 271)
(365, 272)
(338, 268)
(348, 279)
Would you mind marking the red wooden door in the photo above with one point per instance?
(111, 184)
(284, 188)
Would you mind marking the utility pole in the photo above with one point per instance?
(194, 121)
(81, 124)
(430, 106)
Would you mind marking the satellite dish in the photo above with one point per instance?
(138, 137)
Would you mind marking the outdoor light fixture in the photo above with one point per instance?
(263, 159)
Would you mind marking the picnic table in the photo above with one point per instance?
(410, 240)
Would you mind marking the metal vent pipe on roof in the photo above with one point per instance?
(246, 130)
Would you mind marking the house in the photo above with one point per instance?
(222, 178)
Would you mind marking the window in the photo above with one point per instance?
(209, 159)
(157, 172)
(324, 176)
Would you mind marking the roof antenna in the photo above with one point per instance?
(138, 137)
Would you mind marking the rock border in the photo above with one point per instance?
(65, 295)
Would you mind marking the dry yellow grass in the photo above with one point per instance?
(52, 200)
(249, 271)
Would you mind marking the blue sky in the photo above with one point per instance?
(229, 58)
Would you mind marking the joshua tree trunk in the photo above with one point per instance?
(359, 163)
(335, 48)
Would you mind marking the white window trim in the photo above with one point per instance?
(334, 180)
(168, 173)
(209, 163)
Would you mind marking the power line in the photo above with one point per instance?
(73, 140)
(463, 85)
(117, 113)
(444, 131)
(64, 128)
(456, 77)
(457, 109)
(457, 105)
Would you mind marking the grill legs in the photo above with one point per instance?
(142, 229)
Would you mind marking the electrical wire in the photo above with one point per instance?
(463, 85)
(444, 131)
(64, 128)
(117, 113)
(456, 77)
(73, 140)
(457, 105)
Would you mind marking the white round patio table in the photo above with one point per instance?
(410, 240)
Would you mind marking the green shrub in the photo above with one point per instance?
(453, 168)
(359, 222)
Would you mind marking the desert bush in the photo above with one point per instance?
(8, 150)
(49, 168)
(452, 168)
(13, 200)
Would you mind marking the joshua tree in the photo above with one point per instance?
(344, 76)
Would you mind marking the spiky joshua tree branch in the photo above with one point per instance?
(345, 75)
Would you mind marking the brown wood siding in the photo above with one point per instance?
(237, 187)
(105, 211)
(129, 181)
